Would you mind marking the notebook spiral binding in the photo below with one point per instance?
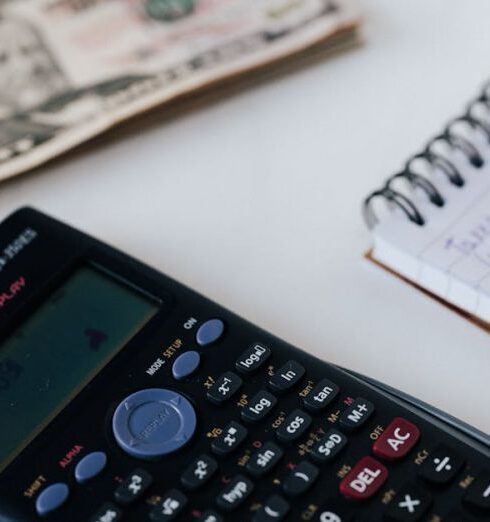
(435, 159)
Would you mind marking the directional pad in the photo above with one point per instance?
(152, 423)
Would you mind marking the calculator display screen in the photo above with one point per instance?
(60, 348)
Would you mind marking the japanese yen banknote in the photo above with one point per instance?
(70, 69)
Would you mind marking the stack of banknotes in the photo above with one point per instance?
(71, 69)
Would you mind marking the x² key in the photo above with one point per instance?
(364, 480)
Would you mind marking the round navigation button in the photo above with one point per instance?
(153, 423)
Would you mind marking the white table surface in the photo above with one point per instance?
(254, 200)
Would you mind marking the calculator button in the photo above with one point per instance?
(264, 459)
(364, 480)
(186, 364)
(154, 422)
(274, 508)
(52, 498)
(294, 426)
(107, 513)
(333, 514)
(134, 487)
(329, 446)
(397, 440)
(210, 332)
(321, 395)
(169, 506)
(199, 472)
(90, 466)
(210, 516)
(441, 466)
(409, 505)
(235, 493)
(259, 406)
(230, 439)
(300, 479)
(253, 358)
(478, 494)
(357, 414)
(224, 388)
(287, 376)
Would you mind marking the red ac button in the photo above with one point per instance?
(397, 440)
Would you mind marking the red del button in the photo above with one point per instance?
(397, 440)
(364, 480)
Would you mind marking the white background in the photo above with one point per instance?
(254, 200)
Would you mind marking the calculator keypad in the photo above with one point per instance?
(278, 440)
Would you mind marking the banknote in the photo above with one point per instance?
(71, 69)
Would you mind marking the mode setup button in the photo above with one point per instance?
(154, 422)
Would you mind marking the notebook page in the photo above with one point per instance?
(450, 254)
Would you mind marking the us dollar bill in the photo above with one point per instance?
(71, 69)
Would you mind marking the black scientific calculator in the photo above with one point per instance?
(125, 396)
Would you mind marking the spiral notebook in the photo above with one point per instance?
(431, 221)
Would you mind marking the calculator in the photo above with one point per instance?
(126, 396)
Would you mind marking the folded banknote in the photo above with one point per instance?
(71, 69)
